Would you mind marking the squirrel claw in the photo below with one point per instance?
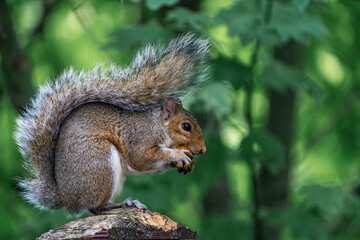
(133, 203)
(187, 168)
(125, 204)
(185, 163)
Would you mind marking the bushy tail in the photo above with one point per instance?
(156, 73)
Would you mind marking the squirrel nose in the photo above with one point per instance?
(202, 150)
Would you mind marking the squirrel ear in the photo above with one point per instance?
(169, 109)
(178, 102)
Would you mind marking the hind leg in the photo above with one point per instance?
(84, 176)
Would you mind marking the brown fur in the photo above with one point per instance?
(82, 168)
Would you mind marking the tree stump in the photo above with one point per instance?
(122, 223)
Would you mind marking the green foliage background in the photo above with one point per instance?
(252, 184)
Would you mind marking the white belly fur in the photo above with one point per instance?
(117, 173)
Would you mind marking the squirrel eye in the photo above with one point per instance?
(186, 126)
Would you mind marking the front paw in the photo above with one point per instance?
(185, 162)
(187, 168)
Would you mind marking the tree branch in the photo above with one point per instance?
(274, 188)
(123, 223)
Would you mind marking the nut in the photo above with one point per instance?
(186, 148)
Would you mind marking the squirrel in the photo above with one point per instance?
(83, 133)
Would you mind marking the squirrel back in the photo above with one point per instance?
(156, 73)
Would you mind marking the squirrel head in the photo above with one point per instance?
(182, 127)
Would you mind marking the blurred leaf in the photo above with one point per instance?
(264, 147)
(125, 38)
(216, 98)
(230, 228)
(291, 23)
(210, 167)
(301, 4)
(233, 71)
(303, 224)
(287, 22)
(245, 21)
(156, 4)
(185, 19)
(280, 76)
(324, 198)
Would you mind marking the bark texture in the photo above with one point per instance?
(274, 189)
(129, 223)
(15, 66)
